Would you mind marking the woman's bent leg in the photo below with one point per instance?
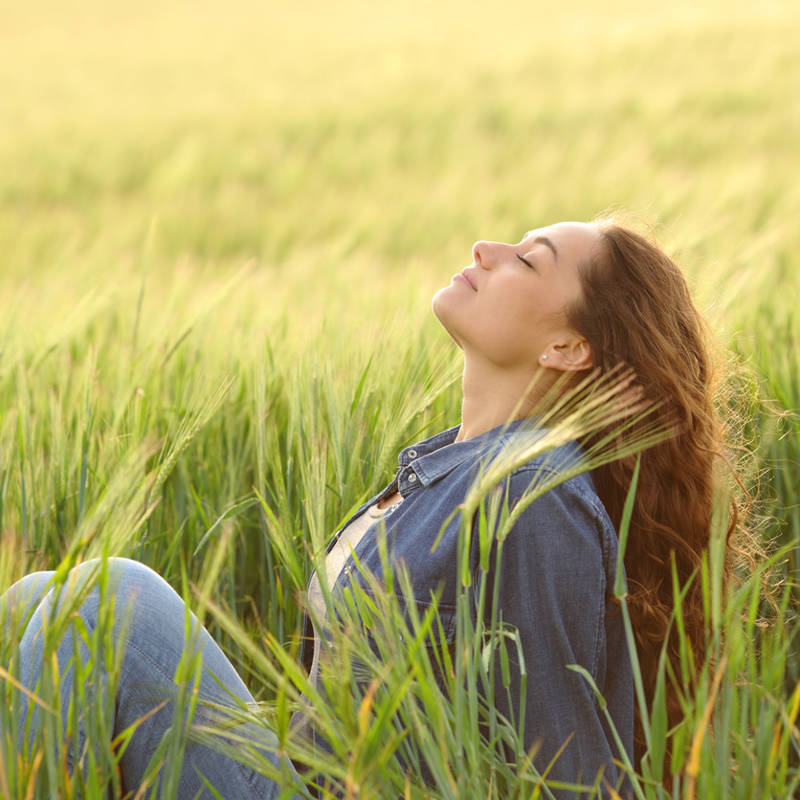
(150, 623)
(18, 602)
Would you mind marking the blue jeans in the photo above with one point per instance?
(153, 618)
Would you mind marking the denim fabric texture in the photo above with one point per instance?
(554, 580)
(155, 621)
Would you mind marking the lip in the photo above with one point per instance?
(466, 276)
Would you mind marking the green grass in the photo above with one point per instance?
(220, 229)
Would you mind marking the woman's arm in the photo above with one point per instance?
(552, 575)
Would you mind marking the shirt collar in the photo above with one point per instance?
(434, 457)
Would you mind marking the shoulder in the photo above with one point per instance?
(558, 513)
(561, 480)
(562, 469)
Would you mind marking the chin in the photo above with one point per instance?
(441, 306)
(441, 310)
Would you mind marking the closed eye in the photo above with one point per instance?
(525, 261)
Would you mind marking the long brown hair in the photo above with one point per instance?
(636, 310)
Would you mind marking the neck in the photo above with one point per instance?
(493, 396)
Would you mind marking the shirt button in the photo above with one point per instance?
(411, 477)
(412, 453)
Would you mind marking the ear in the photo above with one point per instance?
(570, 355)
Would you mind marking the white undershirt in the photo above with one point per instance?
(335, 562)
(337, 557)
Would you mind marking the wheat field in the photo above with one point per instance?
(221, 225)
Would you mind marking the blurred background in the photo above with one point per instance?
(211, 188)
(221, 224)
(397, 132)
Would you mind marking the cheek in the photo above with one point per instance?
(507, 335)
(510, 340)
(523, 313)
(539, 313)
(520, 330)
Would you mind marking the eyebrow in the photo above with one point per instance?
(545, 241)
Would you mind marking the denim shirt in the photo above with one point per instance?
(554, 585)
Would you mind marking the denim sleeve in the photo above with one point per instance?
(551, 575)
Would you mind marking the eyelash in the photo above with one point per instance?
(525, 261)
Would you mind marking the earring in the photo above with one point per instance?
(544, 357)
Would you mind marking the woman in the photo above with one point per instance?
(531, 318)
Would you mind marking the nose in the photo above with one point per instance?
(480, 254)
(486, 254)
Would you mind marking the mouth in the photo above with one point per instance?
(468, 278)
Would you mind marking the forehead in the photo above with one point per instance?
(574, 241)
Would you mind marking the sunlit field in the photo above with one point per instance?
(221, 225)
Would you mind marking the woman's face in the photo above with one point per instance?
(508, 306)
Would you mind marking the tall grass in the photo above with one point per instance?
(220, 229)
(407, 704)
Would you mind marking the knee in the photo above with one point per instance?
(119, 589)
(123, 576)
(24, 595)
(114, 566)
(28, 587)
